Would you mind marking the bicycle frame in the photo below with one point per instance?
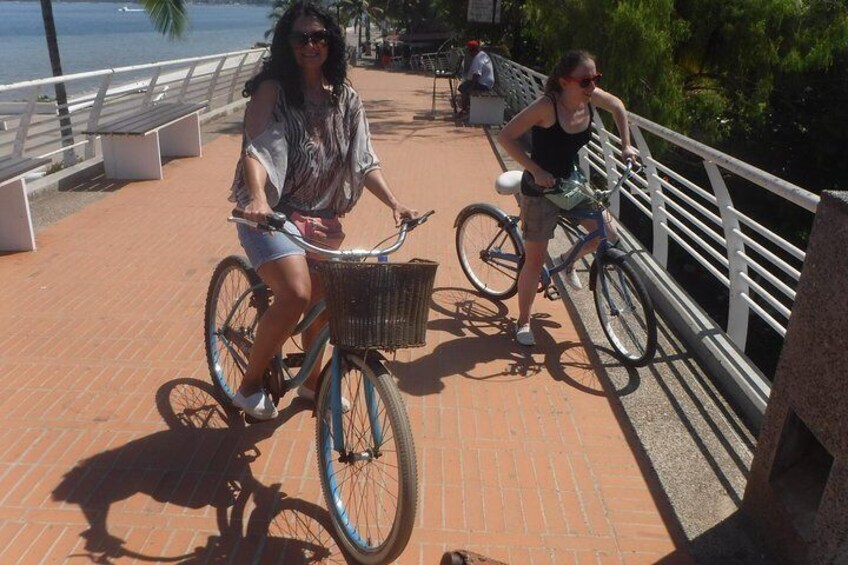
(316, 350)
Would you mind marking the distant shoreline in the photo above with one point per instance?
(125, 3)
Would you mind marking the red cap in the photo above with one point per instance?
(472, 44)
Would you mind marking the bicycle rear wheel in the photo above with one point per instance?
(371, 484)
(625, 311)
(236, 300)
(489, 254)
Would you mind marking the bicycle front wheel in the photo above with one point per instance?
(367, 467)
(625, 311)
(489, 254)
(234, 303)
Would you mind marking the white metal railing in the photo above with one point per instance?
(431, 62)
(759, 267)
(30, 117)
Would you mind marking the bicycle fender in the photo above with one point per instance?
(505, 220)
(611, 254)
(471, 208)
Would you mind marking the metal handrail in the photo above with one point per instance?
(32, 127)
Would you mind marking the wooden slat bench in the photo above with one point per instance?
(133, 145)
(16, 231)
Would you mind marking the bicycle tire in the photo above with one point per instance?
(479, 230)
(227, 347)
(625, 310)
(352, 488)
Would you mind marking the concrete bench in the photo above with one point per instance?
(16, 232)
(487, 107)
(133, 145)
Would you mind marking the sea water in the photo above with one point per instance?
(95, 36)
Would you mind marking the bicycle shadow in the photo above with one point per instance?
(476, 331)
(202, 460)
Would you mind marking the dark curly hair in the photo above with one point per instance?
(281, 64)
(565, 67)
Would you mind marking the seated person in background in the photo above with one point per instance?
(480, 75)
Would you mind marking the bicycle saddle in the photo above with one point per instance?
(509, 182)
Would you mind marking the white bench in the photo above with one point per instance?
(16, 231)
(487, 108)
(133, 145)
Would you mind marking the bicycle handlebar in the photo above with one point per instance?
(630, 168)
(275, 222)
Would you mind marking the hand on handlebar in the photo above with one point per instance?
(256, 211)
(401, 213)
(543, 178)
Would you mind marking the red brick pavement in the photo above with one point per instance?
(112, 448)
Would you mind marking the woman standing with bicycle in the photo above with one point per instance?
(306, 153)
(560, 123)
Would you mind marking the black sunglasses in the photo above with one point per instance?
(317, 38)
(584, 82)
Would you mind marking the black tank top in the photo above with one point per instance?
(554, 149)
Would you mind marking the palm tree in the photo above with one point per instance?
(168, 17)
(361, 12)
(278, 8)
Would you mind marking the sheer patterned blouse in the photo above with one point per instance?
(316, 157)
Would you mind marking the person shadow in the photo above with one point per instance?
(475, 331)
(202, 460)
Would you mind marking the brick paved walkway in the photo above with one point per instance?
(113, 450)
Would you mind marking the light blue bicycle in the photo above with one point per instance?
(366, 456)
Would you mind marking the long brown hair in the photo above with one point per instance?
(565, 67)
(281, 64)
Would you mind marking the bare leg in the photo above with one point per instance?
(310, 334)
(528, 279)
(288, 278)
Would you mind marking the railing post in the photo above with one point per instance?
(186, 82)
(23, 124)
(94, 115)
(737, 316)
(214, 81)
(151, 87)
(658, 210)
(236, 76)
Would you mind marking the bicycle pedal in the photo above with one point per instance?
(552, 293)
(293, 360)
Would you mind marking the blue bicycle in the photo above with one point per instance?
(490, 248)
(366, 456)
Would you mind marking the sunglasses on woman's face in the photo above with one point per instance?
(317, 38)
(584, 82)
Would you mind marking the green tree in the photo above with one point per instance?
(360, 13)
(168, 17)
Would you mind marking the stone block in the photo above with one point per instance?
(797, 493)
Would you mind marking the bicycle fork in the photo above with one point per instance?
(339, 444)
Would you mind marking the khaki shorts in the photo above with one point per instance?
(538, 217)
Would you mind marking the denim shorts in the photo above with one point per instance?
(261, 246)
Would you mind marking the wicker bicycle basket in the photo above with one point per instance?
(378, 305)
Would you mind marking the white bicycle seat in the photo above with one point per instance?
(509, 182)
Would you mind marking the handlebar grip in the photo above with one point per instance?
(272, 221)
(413, 223)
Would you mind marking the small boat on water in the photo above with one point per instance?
(128, 9)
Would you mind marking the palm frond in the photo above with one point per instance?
(169, 17)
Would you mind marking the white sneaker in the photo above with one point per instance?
(524, 335)
(572, 279)
(257, 405)
(308, 394)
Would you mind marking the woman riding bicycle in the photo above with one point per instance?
(306, 153)
(560, 123)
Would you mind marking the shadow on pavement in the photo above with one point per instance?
(203, 459)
